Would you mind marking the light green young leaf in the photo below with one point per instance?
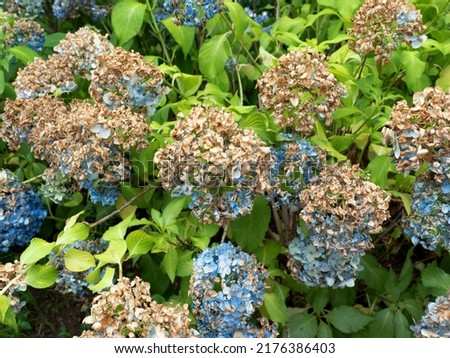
(276, 307)
(79, 231)
(239, 19)
(41, 276)
(138, 243)
(172, 210)
(115, 252)
(4, 306)
(23, 53)
(77, 260)
(36, 250)
(188, 84)
(212, 57)
(72, 220)
(127, 18)
(105, 282)
(379, 169)
(183, 35)
(118, 231)
(170, 263)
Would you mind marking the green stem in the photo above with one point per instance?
(361, 67)
(154, 25)
(34, 178)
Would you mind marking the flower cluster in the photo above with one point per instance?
(300, 90)
(192, 12)
(421, 134)
(227, 286)
(127, 310)
(429, 221)
(219, 164)
(21, 212)
(435, 323)
(339, 210)
(123, 78)
(25, 33)
(75, 55)
(82, 141)
(294, 163)
(25, 8)
(68, 282)
(13, 271)
(69, 9)
(379, 26)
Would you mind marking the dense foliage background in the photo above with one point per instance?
(268, 168)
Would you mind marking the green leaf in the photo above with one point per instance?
(105, 282)
(138, 243)
(324, 331)
(379, 169)
(78, 231)
(348, 319)
(212, 57)
(183, 35)
(23, 53)
(318, 298)
(152, 273)
(401, 326)
(249, 230)
(444, 79)
(185, 263)
(118, 231)
(239, 19)
(436, 279)
(406, 199)
(2, 81)
(115, 252)
(127, 18)
(172, 210)
(267, 253)
(36, 250)
(373, 274)
(76, 200)
(302, 325)
(77, 260)
(54, 39)
(188, 84)
(383, 324)
(41, 276)
(276, 307)
(170, 263)
(4, 306)
(72, 220)
(10, 320)
(414, 69)
(321, 140)
(406, 274)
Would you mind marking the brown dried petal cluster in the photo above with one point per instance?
(76, 54)
(83, 48)
(127, 310)
(421, 134)
(72, 138)
(299, 90)
(340, 192)
(210, 155)
(8, 272)
(376, 28)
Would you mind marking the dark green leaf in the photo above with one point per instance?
(54, 39)
(324, 331)
(383, 324)
(436, 279)
(373, 274)
(302, 325)
(401, 326)
(267, 253)
(348, 319)
(152, 273)
(23, 53)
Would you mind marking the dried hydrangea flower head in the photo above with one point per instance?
(421, 134)
(227, 286)
(40, 78)
(69, 9)
(429, 221)
(25, 8)
(340, 211)
(82, 48)
(381, 25)
(83, 141)
(221, 166)
(128, 311)
(13, 271)
(21, 212)
(435, 323)
(75, 55)
(124, 78)
(299, 90)
(295, 162)
(24, 32)
(193, 13)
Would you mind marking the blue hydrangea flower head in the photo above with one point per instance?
(295, 162)
(21, 212)
(435, 323)
(65, 9)
(227, 286)
(192, 13)
(25, 33)
(29, 9)
(429, 221)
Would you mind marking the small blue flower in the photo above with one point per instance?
(434, 323)
(192, 13)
